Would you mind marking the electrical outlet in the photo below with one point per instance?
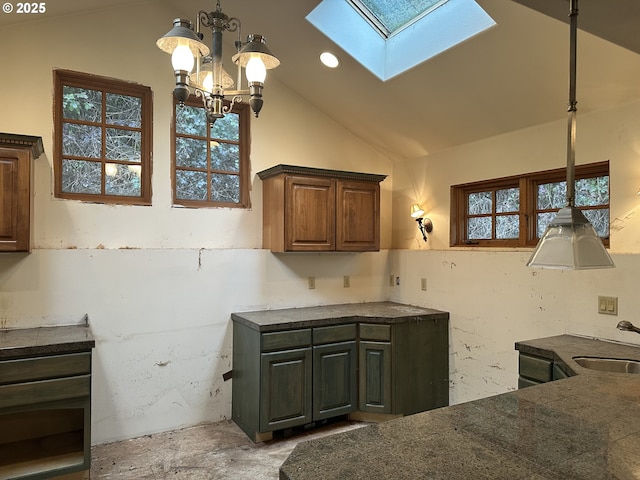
(608, 305)
(346, 281)
(312, 283)
(423, 284)
(397, 281)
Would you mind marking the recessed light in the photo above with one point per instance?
(329, 60)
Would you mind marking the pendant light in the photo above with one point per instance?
(570, 241)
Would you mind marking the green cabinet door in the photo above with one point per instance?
(375, 377)
(334, 380)
(285, 391)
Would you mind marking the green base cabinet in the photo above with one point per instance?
(294, 377)
(404, 367)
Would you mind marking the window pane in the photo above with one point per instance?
(81, 104)
(191, 185)
(393, 14)
(123, 145)
(81, 140)
(542, 222)
(191, 152)
(79, 176)
(124, 180)
(552, 195)
(479, 203)
(226, 157)
(227, 128)
(507, 226)
(592, 191)
(225, 188)
(191, 121)
(508, 200)
(599, 218)
(479, 228)
(124, 110)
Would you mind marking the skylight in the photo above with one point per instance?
(418, 31)
(390, 16)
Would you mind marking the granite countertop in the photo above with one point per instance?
(586, 427)
(29, 342)
(372, 312)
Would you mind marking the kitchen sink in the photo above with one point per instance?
(615, 365)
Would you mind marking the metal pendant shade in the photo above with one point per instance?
(182, 33)
(256, 47)
(570, 241)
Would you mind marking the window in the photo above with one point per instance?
(102, 139)
(390, 16)
(389, 37)
(210, 162)
(515, 211)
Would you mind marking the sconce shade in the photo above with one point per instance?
(256, 47)
(416, 211)
(570, 243)
(182, 34)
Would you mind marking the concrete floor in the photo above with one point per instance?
(211, 451)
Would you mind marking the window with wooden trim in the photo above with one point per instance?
(102, 140)
(210, 163)
(515, 211)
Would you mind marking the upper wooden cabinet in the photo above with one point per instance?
(316, 210)
(16, 155)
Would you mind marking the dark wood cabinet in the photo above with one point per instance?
(316, 210)
(45, 405)
(16, 208)
(296, 376)
(286, 389)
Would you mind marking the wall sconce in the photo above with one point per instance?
(424, 224)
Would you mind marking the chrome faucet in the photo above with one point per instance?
(627, 326)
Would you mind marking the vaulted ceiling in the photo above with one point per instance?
(510, 77)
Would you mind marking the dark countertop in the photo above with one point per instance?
(585, 427)
(372, 312)
(30, 342)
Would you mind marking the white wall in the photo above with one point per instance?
(159, 283)
(493, 298)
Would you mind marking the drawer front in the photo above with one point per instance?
(283, 340)
(535, 368)
(44, 391)
(375, 332)
(41, 368)
(335, 333)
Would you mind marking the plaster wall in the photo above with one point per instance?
(158, 283)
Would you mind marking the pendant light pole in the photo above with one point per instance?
(570, 241)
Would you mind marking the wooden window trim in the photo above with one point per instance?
(527, 184)
(244, 143)
(106, 85)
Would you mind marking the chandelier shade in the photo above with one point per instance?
(182, 34)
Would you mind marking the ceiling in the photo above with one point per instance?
(510, 77)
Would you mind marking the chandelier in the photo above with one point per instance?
(198, 68)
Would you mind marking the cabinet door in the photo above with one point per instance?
(334, 380)
(285, 393)
(357, 216)
(310, 214)
(375, 377)
(15, 201)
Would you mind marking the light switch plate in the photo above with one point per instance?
(608, 305)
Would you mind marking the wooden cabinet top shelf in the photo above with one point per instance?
(319, 172)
